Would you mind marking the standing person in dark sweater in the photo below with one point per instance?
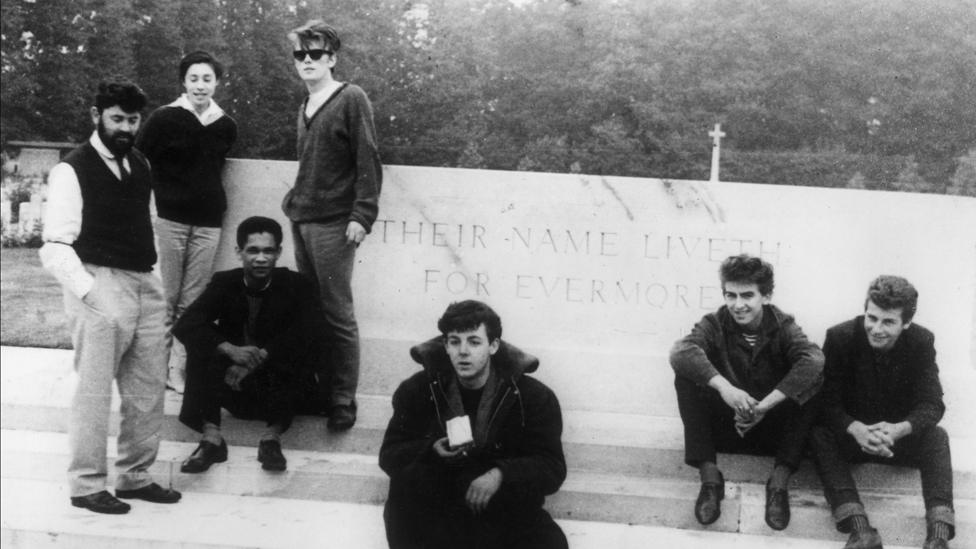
(187, 142)
(882, 403)
(744, 378)
(335, 200)
(98, 243)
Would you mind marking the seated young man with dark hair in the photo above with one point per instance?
(251, 348)
(474, 444)
(882, 402)
(744, 378)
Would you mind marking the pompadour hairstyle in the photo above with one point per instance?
(467, 315)
(257, 225)
(893, 292)
(122, 93)
(746, 269)
(315, 29)
(197, 57)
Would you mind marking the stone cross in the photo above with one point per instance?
(717, 134)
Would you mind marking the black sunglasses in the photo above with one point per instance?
(299, 55)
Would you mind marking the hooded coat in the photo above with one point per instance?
(518, 429)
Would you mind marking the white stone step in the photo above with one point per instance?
(357, 479)
(37, 515)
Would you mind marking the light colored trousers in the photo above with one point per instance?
(322, 253)
(186, 257)
(118, 332)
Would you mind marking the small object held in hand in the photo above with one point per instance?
(459, 432)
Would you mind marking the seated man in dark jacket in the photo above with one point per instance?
(251, 345)
(882, 400)
(744, 377)
(484, 491)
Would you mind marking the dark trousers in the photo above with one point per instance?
(428, 511)
(268, 393)
(927, 451)
(710, 427)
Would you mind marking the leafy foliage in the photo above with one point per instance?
(879, 93)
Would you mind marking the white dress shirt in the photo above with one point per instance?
(62, 221)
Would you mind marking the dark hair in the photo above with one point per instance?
(746, 269)
(197, 57)
(468, 315)
(315, 29)
(121, 92)
(256, 225)
(893, 292)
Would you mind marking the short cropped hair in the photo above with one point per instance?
(257, 225)
(315, 29)
(122, 93)
(197, 57)
(467, 315)
(893, 292)
(746, 269)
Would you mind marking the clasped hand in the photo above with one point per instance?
(481, 489)
(748, 412)
(245, 359)
(877, 439)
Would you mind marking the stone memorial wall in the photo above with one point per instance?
(599, 275)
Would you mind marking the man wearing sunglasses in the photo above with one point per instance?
(335, 200)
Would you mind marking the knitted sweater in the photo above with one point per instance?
(339, 170)
(187, 158)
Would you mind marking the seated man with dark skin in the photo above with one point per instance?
(484, 491)
(882, 403)
(745, 377)
(251, 341)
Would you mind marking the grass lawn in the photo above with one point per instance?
(32, 313)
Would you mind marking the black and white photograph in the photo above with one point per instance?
(488, 274)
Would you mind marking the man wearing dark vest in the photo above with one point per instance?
(98, 243)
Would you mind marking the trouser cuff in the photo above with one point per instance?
(942, 513)
(844, 512)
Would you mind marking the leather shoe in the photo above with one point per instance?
(206, 454)
(342, 417)
(708, 507)
(153, 493)
(864, 539)
(777, 508)
(936, 543)
(270, 456)
(101, 502)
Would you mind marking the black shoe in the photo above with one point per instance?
(936, 543)
(864, 539)
(342, 417)
(101, 502)
(153, 493)
(708, 507)
(777, 508)
(270, 456)
(206, 454)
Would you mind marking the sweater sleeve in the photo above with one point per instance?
(927, 406)
(369, 171)
(805, 377)
(837, 377)
(689, 355)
